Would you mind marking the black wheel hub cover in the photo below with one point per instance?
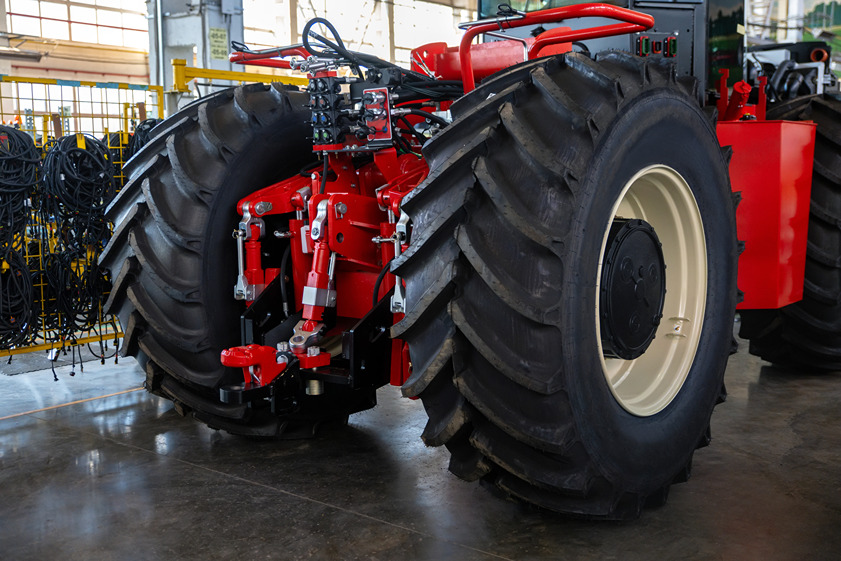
(633, 288)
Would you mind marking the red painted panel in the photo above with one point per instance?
(772, 167)
(488, 58)
(354, 291)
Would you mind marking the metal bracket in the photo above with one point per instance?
(323, 297)
(248, 221)
(513, 15)
(243, 290)
(315, 64)
(402, 229)
(317, 226)
(401, 235)
(302, 338)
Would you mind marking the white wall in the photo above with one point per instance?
(388, 30)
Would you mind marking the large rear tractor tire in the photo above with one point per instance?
(807, 334)
(172, 258)
(534, 279)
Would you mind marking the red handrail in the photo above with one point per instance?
(632, 22)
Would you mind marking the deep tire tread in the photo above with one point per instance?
(179, 199)
(502, 245)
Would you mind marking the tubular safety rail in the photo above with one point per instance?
(630, 22)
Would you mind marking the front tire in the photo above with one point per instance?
(503, 281)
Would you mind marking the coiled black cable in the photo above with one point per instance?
(76, 187)
(15, 300)
(78, 183)
(44, 307)
(118, 155)
(77, 284)
(20, 163)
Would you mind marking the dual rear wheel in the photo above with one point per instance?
(570, 280)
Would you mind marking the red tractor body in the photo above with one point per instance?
(549, 261)
(771, 169)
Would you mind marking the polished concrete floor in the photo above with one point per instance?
(124, 477)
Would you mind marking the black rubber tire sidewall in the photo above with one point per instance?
(269, 158)
(644, 453)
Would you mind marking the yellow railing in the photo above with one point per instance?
(183, 74)
(108, 335)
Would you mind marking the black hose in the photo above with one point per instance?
(78, 183)
(78, 285)
(324, 173)
(20, 164)
(16, 311)
(777, 78)
(339, 50)
(283, 293)
(427, 115)
(379, 281)
(403, 144)
(420, 138)
(307, 170)
(118, 154)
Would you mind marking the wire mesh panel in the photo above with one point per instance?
(51, 288)
(49, 108)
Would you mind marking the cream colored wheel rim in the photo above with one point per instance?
(646, 385)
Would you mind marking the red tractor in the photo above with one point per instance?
(536, 236)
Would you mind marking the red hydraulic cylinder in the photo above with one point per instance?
(318, 279)
(738, 102)
(253, 257)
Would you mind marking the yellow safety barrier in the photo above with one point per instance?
(109, 335)
(183, 74)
